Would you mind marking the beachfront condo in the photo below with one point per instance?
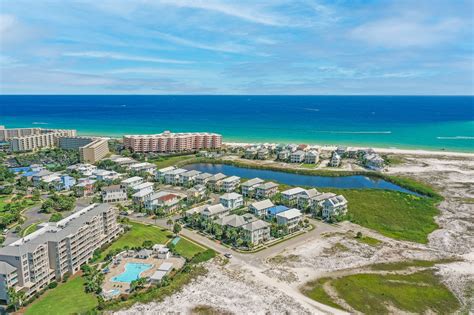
(172, 142)
(94, 151)
(30, 139)
(56, 249)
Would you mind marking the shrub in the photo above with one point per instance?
(52, 285)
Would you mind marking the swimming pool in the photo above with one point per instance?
(132, 272)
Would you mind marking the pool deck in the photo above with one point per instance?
(108, 285)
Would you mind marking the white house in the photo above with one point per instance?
(146, 186)
(143, 167)
(187, 178)
(335, 160)
(311, 157)
(132, 181)
(290, 218)
(250, 153)
(113, 193)
(284, 155)
(172, 177)
(290, 196)
(202, 178)
(306, 198)
(214, 182)
(160, 174)
(259, 208)
(248, 187)
(231, 200)
(230, 184)
(214, 211)
(256, 232)
(297, 157)
(334, 206)
(266, 190)
(262, 154)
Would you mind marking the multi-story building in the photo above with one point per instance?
(231, 200)
(230, 184)
(266, 190)
(74, 143)
(248, 187)
(290, 218)
(94, 151)
(113, 193)
(172, 142)
(30, 139)
(56, 249)
(297, 157)
(256, 232)
(131, 181)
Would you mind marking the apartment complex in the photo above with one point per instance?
(56, 249)
(94, 151)
(74, 143)
(29, 139)
(172, 142)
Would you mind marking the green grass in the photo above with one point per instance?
(137, 234)
(369, 240)
(401, 265)
(315, 291)
(30, 229)
(393, 214)
(67, 298)
(188, 249)
(3, 201)
(417, 293)
(173, 160)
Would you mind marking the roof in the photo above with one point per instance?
(168, 197)
(229, 196)
(142, 193)
(252, 182)
(289, 214)
(166, 266)
(267, 185)
(293, 191)
(176, 171)
(276, 209)
(142, 186)
(131, 180)
(310, 193)
(204, 175)
(324, 196)
(255, 225)
(299, 152)
(6, 268)
(111, 188)
(191, 173)
(218, 176)
(231, 179)
(261, 205)
(312, 152)
(145, 251)
(215, 209)
(166, 169)
(158, 275)
(338, 200)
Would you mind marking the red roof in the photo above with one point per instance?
(168, 197)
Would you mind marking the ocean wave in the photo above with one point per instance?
(312, 109)
(39, 123)
(358, 132)
(456, 138)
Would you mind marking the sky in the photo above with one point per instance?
(270, 47)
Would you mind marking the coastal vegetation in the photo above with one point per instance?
(391, 287)
(165, 161)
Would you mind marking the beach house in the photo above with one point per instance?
(214, 211)
(262, 154)
(132, 181)
(260, 208)
(214, 182)
(266, 190)
(283, 155)
(290, 196)
(172, 177)
(248, 187)
(187, 179)
(230, 184)
(256, 232)
(311, 157)
(231, 200)
(202, 179)
(297, 157)
(289, 218)
(113, 193)
(335, 160)
(334, 206)
(160, 173)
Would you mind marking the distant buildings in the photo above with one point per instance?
(95, 150)
(172, 142)
(30, 139)
(56, 249)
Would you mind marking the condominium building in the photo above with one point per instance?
(30, 139)
(74, 143)
(94, 151)
(56, 249)
(172, 142)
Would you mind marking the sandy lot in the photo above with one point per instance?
(271, 285)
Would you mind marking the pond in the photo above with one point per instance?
(353, 181)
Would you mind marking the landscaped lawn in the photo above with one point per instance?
(66, 298)
(139, 233)
(172, 160)
(419, 293)
(393, 214)
(187, 248)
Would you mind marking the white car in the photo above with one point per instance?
(228, 255)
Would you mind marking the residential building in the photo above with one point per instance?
(187, 179)
(160, 174)
(94, 151)
(56, 249)
(105, 175)
(273, 211)
(74, 143)
(84, 169)
(318, 200)
(113, 193)
(262, 154)
(214, 182)
(85, 187)
(230, 184)
(232, 200)
(266, 190)
(373, 161)
(145, 186)
(172, 142)
(132, 181)
(260, 208)
(334, 206)
(172, 177)
(248, 187)
(284, 155)
(234, 220)
(297, 157)
(30, 139)
(289, 218)
(65, 182)
(142, 167)
(165, 200)
(311, 157)
(256, 232)
(140, 197)
(214, 211)
(290, 196)
(196, 192)
(306, 198)
(341, 150)
(250, 153)
(202, 179)
(335, 160)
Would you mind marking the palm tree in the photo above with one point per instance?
(169, 222)
(15, 298)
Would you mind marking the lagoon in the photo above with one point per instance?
(348, 182)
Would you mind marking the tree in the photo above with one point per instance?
(55, 217)
(137, 284)
(359, 234)
(176, 228)
(169, 222)
(15, 298)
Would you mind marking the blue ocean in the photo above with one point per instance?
(423, 122)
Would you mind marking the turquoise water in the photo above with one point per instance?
(356, 181)
(132, 272)
(425, 122)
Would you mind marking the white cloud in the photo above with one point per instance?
(12, 31)
(406, 32)
(116, 56)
